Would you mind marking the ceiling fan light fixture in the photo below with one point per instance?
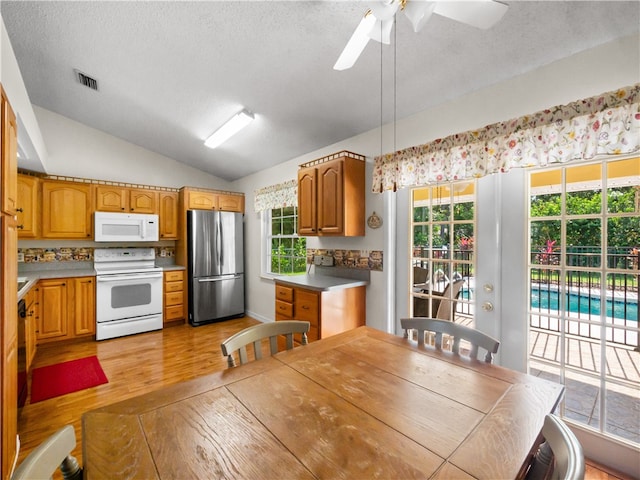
(356, 43)
(229, 129)
(419, 13)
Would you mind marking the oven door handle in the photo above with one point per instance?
(120, 278)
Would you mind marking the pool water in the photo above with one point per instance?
(549, 300)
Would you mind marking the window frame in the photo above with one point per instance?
(266, 217)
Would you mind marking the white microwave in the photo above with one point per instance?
(125, 227)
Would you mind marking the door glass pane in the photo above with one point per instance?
(583, 275)
(443, 249)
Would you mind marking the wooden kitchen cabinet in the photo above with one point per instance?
(143, 201)
(329, 312)
(174, 296)
(30, 328)
(169, 204)
(208, 200)
(66, 209)
(28, 206)
(127, 200)
(53, 302)
(8, 287)
(9, 157)
(83, 297)
(331, 199)
(67, 308)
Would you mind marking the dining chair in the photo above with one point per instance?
(560, 457)
(459, 332)
(256, 333)
(53, 453)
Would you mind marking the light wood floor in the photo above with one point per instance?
(136, 365)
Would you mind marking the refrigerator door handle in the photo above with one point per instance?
(219, 279)
(220, 241)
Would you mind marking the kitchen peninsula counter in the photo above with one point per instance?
(319, 282)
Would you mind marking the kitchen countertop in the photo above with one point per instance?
(320, 282)
(33, 276)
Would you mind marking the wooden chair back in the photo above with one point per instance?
(255, 334)
(560, 457)
(53, 453)
(459, 332)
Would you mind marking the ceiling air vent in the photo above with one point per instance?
(86, 80)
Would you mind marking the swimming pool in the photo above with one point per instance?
(550, 300)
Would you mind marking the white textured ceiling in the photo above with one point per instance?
(170, 73)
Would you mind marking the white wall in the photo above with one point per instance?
(76, 150)
(29, 136)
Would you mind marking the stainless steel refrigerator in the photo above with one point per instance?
(216, 265)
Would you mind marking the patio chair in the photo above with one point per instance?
(560, 457)
(459, 332)
(255, 334)
(53, 453)
(443, 306)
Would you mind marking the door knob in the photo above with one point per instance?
(487, 287)
(487, 307)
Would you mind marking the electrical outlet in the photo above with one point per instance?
(327, 260)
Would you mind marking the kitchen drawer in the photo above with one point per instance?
(284, 308)
(173, 276)
(173, 298)
(174, 286)
(173, 313)
(307, 307)
(284, 293)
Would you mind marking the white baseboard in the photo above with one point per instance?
(260, 318)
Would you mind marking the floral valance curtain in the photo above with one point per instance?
(608, 124)
(277, 196)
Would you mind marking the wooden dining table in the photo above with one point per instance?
(362, 404)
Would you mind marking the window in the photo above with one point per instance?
(284, 252)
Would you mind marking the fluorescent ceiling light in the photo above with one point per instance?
(229, 129)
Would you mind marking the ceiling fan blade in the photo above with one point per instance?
(381, 31)
(356, 43)
(419, 13)
(479, 13)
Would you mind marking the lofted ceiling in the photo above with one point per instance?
(170, 73)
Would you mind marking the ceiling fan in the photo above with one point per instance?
(378, 21)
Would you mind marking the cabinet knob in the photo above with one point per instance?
(122, 208)
(305, 307)
(19, 210)
(20, 227)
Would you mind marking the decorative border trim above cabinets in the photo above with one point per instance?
(333, 156)
(357, 259)
(97, 182)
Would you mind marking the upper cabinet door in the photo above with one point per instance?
(143, 201)
(168, 215)
(330, 198)
(202, 201)
(307, 201)
(9, 158)
(66, 210)
(111, 199)
(28, 206)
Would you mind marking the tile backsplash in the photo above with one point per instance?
(359, 259)
(72, 254)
